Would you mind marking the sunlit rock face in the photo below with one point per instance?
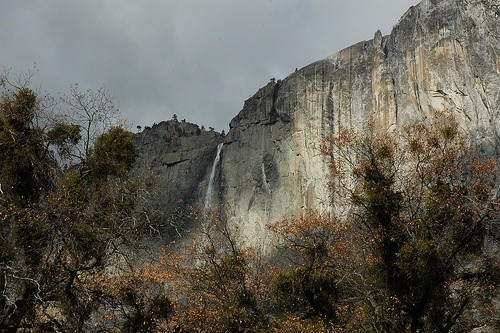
(441, 55)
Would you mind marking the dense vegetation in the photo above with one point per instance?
(66, 217)
(412, 247)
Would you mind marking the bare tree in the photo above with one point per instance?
(93, 111)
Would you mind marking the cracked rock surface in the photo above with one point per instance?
(441, 55)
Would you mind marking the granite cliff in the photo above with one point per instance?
(441, 55)
(173, 160)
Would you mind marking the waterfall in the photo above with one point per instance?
(210, 188)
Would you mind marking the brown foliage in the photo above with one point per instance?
(420, 203)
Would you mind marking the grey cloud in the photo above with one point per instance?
(197, 59)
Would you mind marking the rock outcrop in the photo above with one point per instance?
(173, 160)
(441, 55)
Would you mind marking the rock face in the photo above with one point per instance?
(441, 55)
(173, 159)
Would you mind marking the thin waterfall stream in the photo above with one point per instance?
(210, 188)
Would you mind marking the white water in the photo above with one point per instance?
(210, 188)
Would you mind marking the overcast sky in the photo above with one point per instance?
(199, 59)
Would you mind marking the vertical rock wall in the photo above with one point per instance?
(442, 55)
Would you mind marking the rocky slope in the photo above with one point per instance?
(441, 55)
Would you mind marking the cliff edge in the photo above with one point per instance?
(441, 55)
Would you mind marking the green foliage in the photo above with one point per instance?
(113, 154)
(64, 134)
(19, 110)
(306, 294)
(74, 188)
(61, 231)
(87, 241)
(420, 269)
(65, 137)
(25, 166)
(288, 291)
